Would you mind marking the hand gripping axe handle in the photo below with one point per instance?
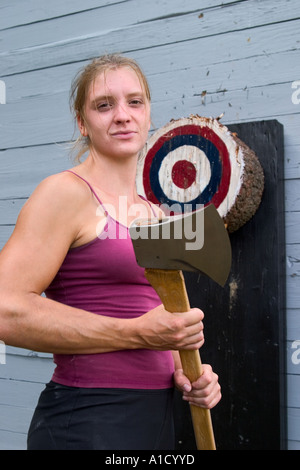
(197, 241)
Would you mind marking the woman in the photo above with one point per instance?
(110, 335)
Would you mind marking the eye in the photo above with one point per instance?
(136, 102)
(104, 106)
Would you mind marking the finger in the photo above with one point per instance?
(192, 317)
(208, 404)
(203, 398)
(208, 377)
(202, 394)
(194, 342)
(205, 386)
(193, 336)
(181, 381)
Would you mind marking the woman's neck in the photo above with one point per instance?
(113, 177)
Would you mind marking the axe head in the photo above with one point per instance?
(197, 241)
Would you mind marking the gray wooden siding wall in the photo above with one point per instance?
(241, 58)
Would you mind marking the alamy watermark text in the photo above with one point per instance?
(296, 353)
(2, 92)
(296, 93)
(191, 230)
(2, 353)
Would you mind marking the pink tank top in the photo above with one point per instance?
(103, 277)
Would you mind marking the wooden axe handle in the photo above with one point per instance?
(170, 287)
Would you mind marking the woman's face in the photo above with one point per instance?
(117, 114)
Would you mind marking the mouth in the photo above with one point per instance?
(124, 134)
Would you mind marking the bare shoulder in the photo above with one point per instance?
(60, 193)
(45, 229)
(53, 205)
(61, 187)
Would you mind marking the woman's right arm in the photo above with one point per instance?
(46, 227)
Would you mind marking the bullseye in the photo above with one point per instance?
(184, 174)
(201, 149)
(196, 161)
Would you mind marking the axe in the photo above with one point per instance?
(197, 241)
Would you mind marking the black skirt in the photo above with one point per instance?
(71, 418)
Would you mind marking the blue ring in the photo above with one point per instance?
(212, 154)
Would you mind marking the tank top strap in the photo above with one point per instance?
(150, 205)
(99, 200)
(90, 186)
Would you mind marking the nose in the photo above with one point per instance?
(121, 113)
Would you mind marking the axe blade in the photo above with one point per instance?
(197, 241)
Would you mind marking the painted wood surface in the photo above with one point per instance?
(211, 57)
(244, 321)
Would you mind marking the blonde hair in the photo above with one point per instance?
(82, 82)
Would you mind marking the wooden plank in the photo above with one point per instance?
(293, 293)
(29, 369)
(175, 91)
(231, 46)
(245, 340)
(239, 105)
(292, 191)
(293, 364)
(14, 351)
(292, 228)
(21, 170)
(15, 418)
(16, 13)
(293, 273)
(12, 440)
(9, 210)
(291, 124)
(41, 82)
(35, 52)
(293, 416)
(293, 327)
(35, 84)
(62, 29)
(184, 19)
(55, 124)
(293, 445)
(19, 393)
(293, 262)
(231, 75)
(37, 126)
(292, 162)
(293, 391)
(170, 59)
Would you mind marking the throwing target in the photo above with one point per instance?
(196, 161)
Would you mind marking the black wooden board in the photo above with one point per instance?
(245, 320)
